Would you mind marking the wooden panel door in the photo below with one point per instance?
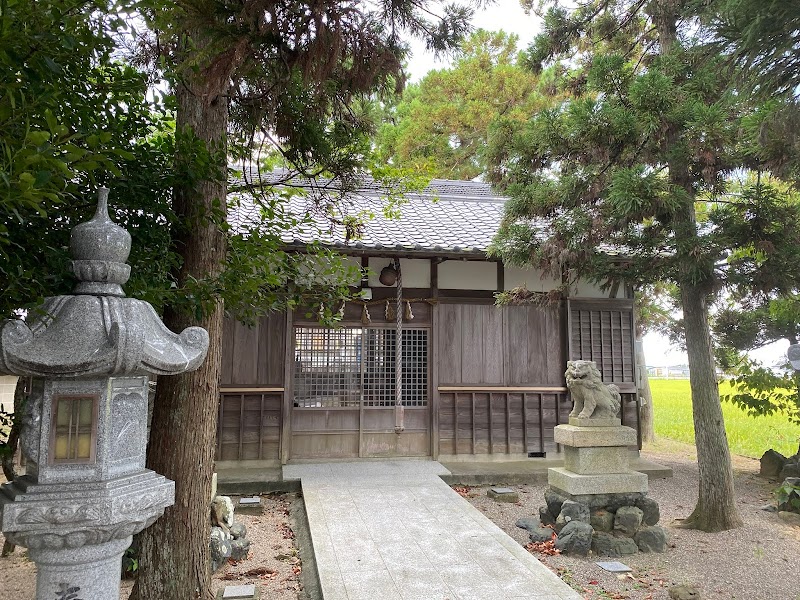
(344, 393)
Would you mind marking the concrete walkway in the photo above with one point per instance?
(393, 530)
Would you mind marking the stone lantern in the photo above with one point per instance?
(86, 491)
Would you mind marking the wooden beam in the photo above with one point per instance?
(501, 277)
(433, 362)
(483, 388)
(255, 390)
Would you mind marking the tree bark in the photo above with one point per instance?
(643, 391)
(716, 502)
(7, 460)
(174, 552)
(9, 471)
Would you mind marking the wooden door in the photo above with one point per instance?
(343, 393)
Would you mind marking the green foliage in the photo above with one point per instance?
(73, 118)
(441, 125)
(747, 436)
(789, 494)
(65, 104)
(761, 391)
(6, 420)
(762, 36)
(130, 563)
(636, 159)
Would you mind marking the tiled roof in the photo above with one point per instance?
(448, 216)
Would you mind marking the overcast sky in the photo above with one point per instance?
(503, 14)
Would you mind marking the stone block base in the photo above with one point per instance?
(597, 461)
(249, 506)
(503, 495)
(612, 483)
(587, 437)
(595, 422)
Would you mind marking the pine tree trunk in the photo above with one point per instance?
(174, 552)
(646, 410)
(716, 502)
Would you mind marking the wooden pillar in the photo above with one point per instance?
(434, 360)
(288, 391)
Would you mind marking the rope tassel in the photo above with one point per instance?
(409, 316)
(365, 318)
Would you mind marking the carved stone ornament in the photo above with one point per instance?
(76, 538)
(97, 331)
(59, 515)
(592, 398)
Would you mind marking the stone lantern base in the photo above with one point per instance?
(76, 533)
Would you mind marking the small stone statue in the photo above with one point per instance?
(593, 399)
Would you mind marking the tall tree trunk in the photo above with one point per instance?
(7, 460)
(716, 502)
(716, 507)
(174, 552)
(644, 393)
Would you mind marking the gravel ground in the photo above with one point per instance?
(759, 561)
(273, 564)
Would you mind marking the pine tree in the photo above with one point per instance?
(630, 179)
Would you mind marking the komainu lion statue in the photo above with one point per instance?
(592, 398)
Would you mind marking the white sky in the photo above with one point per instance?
(509, 16)
(503, 14)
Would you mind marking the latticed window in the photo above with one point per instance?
(73, 428)
(347, 366)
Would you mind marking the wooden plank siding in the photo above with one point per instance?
(249, 426)
(501, 377)
(254, 356)
(499, 422)
(490, 345)
(603, 331)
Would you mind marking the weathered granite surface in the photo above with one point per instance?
(76, 512)
(592, 437)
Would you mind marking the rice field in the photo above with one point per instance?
(747, 436)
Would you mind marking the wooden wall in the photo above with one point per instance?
(500, 378)
(500, 421)
(254, 356)
(482, 344)
(603, 331)
(249, 426)
(496, 374)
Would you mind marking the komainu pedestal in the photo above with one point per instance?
(595, 501)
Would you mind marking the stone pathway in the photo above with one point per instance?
(393, 530)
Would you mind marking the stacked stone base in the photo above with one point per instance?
(596, 503)
(606, 524)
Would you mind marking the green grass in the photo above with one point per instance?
(747, 436)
